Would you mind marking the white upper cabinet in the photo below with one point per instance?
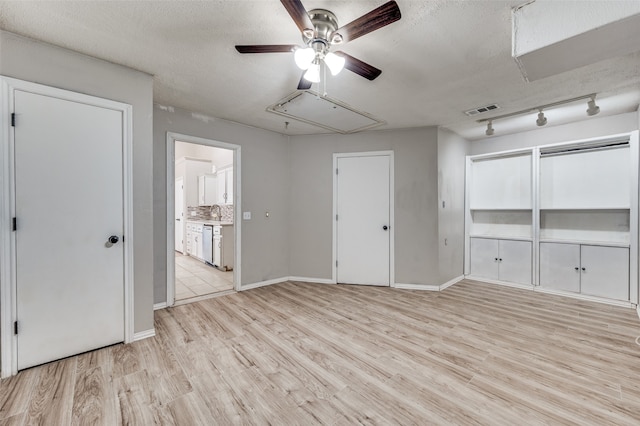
(207, 189)
(501, 183)
(589, 179)
(224, 186)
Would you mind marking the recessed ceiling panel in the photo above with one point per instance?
(322, 111)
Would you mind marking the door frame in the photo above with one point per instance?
(334, 257)
(8, 284)
(182, 220)
(172, 138)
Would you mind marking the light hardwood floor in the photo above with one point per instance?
(297, 353)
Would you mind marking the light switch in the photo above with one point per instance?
(246, 215)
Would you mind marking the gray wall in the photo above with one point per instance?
(452, 150)
(42, 63)
(590, 128)
(416, 201)
(265, 187)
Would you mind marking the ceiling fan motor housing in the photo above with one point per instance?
(325, 25)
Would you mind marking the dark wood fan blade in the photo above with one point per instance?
(266, 48)
(298, 14)
(304, 84)
(376, 19)
(361, 68)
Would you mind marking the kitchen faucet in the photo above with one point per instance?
(216, 212)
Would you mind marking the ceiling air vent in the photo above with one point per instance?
(476, 111)
(309, 107)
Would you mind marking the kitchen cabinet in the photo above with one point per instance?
(207, 189)
(587, 269)
(224, 179)
(194, 240)
(223, 247)
(504, 260)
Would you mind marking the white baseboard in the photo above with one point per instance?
(498, 282)
(160, 305)
(263, 283)
(144, 334)
(312, 280)
(638, 311)
(424, 287)
(620, 303)
(451, 282)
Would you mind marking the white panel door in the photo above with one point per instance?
(484, 258)
(515, 261)
(179, 215)
(69, 201)
(560, 266)
(363, 200)
(605, 272)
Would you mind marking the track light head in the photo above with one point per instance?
(542, 120)
(593, 108)
(489, 131)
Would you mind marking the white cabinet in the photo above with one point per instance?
(587, 269)
(223, 247)
(224, 179)
(207, 189)
(504, 260)
(194, 240)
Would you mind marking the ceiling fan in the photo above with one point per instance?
(320, 32)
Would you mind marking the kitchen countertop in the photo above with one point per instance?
(211, 222)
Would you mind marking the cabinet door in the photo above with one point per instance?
(229, 185)
(605, 272)
(484, 258)
(221, 180)
(560, 266)
(515, 261)
(201, 190)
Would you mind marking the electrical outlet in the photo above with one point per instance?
(246, 215)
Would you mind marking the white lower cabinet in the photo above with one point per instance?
(593, 270)
(504, 260)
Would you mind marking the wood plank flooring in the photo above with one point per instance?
(304, 354)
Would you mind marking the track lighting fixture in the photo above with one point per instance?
(489, 130)
(592, 109)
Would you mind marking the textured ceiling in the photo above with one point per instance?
(442, 58)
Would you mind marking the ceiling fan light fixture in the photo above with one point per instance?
(313, 73)
(336, 38)
(334, 62)
(304, 57)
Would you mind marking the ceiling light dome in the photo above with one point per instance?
(313, 73)
(334, 62)
(304, 57)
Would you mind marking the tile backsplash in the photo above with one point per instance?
(206, 213)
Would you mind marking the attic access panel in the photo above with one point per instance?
(311, 108)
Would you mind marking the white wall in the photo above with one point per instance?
(219, 157)
(29, 60)
(265, 187)
(452, 150)
(590, 128)
(416, 200)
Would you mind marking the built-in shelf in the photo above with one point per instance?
(587, 242)
(501, 237)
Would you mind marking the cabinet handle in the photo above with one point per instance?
(496, 259)
(500, 259)
(577, 269)
(584, 269)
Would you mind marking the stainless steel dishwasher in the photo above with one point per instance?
(207, 244)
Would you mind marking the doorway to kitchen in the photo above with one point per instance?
(202, 201)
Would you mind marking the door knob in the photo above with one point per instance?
(113, 239)
(385, 227)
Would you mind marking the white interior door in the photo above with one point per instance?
(68, 202)
(179, 215)
(362, 227)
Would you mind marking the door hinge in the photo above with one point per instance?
(13, 119)
(15, 327)
(14, 224)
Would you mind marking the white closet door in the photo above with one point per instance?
(605, 272)
(560, 266)
(69, 201)
(363, 202)
(484, 258)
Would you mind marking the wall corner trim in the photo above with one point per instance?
(141, 335)
(451, 282)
